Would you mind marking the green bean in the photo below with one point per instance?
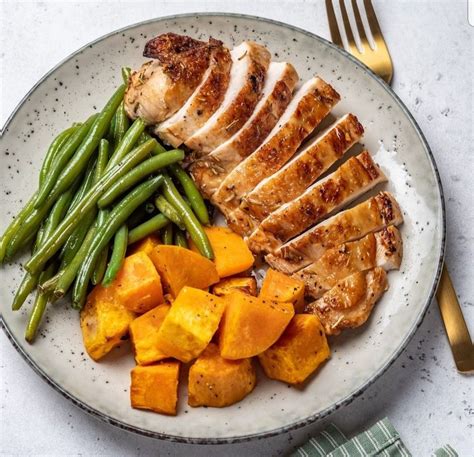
(158, 149)
(126, 72)
(39, 306)
(192, 192)
(180, 239)
(30, 281)
(80, 159)
(137, 174)
(102, 159)
(168, 210)
(150, 226)
(127, 143)
(73, 243)
(118, 216)
(121, 125)
(61, 160)
(100, 267)
(86, 184)
(193, 227)
(110, 133)
(64, 279)
(14, 226)
(28, 208)
(168, 234)
(118, 254)
(73, 218)
(103, 214)
(56, 146)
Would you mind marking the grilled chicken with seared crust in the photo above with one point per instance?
(162, 86)
(381, 249)
(250, 62)
(203, 102)
(210, 170)
(369, 216)
(310, 105)
(294, 178)
(349, 303)
(352, 179)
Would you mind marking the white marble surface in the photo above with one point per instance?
(426, 399)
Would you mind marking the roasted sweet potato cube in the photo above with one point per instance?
(190, 324)
(299, 351)
(226, 286)
(104, 322)
(179, 267)
(155, 387)
(138, 284)
(251, 325)
(280, 287)
(145, 245)
(215, 381)
(144, 334)
(231, 254)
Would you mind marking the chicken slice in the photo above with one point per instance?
(349, 303)
(311, 103)
(161, 86)
(250, 62)
(381, 249)
(369, 216)
(209, 171)
(203, 102)
(352, 179)
(294, 178)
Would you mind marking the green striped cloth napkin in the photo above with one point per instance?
(380, 440)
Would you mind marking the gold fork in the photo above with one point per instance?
(378, 59)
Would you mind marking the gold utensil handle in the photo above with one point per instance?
(456, 328)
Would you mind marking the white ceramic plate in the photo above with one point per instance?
(81, 84)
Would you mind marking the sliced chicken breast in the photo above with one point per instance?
(250, 62)
(210, 170)
(369, 216)
(352, 179)
(349, 303)
(295, 177)
(380, 249)
(162, 86)
(311, 103)
(203, 102)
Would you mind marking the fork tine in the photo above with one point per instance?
(360, 25)
(347, 26)
(372, 20)
(333, 27)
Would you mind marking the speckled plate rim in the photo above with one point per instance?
(349, 398)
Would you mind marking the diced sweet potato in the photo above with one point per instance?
(231, 254)
(104, 322)
(145, 245)
(251, 325)
(247, 285)
(190, 324)
(280, 287)
(214, 381)
(300, 350)
(155, 387)
(144, 334)
(179, 267)
(138, 284)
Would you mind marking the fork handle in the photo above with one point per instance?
(456, 328)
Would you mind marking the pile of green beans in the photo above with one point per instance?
(104, 184)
